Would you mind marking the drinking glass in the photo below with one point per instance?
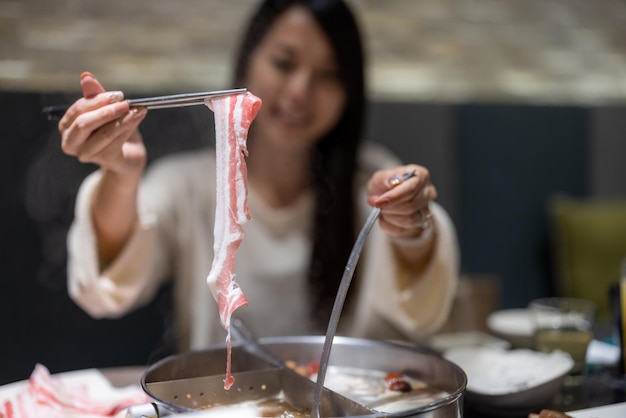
(565, 324)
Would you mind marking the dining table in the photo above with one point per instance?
(602, 394)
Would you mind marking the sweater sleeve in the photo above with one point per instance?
(420, 308)
(134, 277)
(423, 307)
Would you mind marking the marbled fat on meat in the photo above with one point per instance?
(233, 116)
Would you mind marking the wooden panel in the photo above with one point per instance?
(608, 151)
(421, 134)
(38, 321)
(512, 159)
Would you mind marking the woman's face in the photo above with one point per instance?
(294, 72)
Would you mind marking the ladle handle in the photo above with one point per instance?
(338, 305)
(148, 410)
(249, 341)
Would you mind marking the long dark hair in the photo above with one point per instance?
(334, 159)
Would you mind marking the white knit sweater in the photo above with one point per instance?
(174, 238)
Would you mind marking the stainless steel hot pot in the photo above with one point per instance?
(194, 380)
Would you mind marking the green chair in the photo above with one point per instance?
(589, 243)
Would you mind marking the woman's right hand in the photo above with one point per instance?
(101, 128)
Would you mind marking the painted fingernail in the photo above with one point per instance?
(116, 96)
(86, 74)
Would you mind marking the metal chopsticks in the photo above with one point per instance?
(157, 102)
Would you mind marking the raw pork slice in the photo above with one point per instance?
(48, 396)
(233, 116)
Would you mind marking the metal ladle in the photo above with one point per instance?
(339, 300)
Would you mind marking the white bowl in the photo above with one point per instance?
(513, 381)
(514, 325)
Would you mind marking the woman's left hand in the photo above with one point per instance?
(404, 204)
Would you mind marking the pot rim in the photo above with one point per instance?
(454, 396)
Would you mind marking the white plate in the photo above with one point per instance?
(617, 410)
(514, 325)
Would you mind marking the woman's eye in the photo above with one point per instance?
(283, 64)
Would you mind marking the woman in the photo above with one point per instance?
(311, 185)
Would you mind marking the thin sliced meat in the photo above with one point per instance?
(233, 116)
(46, 396)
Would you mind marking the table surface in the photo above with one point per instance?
(601, 396)
(599, 388)
(123, 376)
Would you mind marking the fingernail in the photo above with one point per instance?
(86, 74)
(116, 96)
(139, 112)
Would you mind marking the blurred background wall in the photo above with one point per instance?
(508, 102)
